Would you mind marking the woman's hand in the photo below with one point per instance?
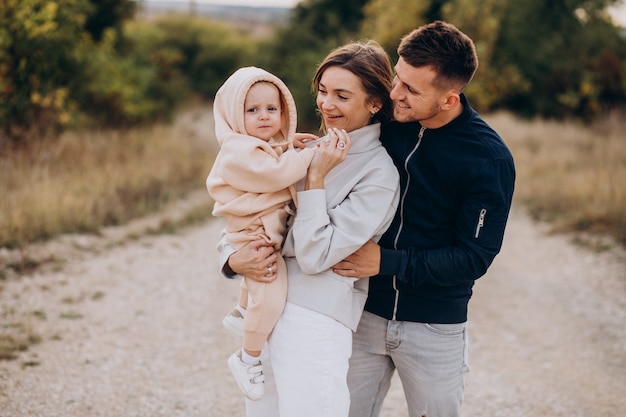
(301, 139)
(256, 260)
(330, 153)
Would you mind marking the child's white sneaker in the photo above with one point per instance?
(250, 378)
(234, 322)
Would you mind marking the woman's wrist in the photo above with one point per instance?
(313, 181)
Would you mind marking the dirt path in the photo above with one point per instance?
(135, 330)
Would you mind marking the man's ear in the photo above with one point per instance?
(450, 100)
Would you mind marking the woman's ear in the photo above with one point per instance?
(374, 107)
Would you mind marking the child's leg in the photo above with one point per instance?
(267, 301)
(243, 295)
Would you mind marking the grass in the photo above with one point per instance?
(85, 180)
(15, 337)
(569, 174)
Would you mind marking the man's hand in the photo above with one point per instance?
(256, 260)
(363, 263)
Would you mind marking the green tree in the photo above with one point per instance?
(481, 20)
(387, 21)
(38, 40)
(109, 14)
(210, 51)
(314, 29)
(557, 47)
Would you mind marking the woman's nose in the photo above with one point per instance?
(327, 103)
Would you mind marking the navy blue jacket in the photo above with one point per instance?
(456, 187)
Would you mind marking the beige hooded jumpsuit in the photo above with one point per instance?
(252, 184)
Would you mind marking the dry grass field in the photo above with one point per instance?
(85, 180)
(570, 174)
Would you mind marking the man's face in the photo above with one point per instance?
(414, 97)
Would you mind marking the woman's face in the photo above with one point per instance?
(342, 100)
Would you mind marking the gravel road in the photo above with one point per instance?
(132, 327)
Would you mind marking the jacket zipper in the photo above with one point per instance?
(401, 208)
(481, 222)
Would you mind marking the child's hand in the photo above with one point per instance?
(301, 139)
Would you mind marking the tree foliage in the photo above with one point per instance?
(559, 58)
(86, 62)
(209, 51)
(38, 44)
(559, 49)
(108, 14)
(78, 62)
(314, 29)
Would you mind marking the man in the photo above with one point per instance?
(457, 178)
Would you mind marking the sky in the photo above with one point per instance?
(619, 13)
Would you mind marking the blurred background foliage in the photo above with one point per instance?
(94, 63)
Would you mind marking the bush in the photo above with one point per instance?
(61, 65)
(210, 51)
(38, 41)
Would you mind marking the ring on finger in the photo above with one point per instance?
(269, 269)
(341, 145)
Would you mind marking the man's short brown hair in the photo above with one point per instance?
(444, 48)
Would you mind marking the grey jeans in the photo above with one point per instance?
(431, 360)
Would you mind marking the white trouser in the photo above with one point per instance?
(306, 373)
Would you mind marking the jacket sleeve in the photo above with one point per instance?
(479, 232)
(225, 250)
(251, 168)
(324, 237)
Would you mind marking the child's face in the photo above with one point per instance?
(262, 111)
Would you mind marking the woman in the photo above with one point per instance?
(349, 196)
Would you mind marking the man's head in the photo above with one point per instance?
(436, 62)
(444, 48)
